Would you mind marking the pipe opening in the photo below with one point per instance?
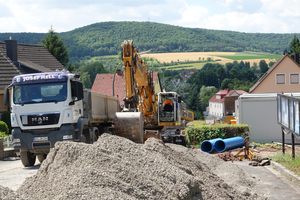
(206, 146)
(220, 146)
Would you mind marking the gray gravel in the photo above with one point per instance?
(116, 168)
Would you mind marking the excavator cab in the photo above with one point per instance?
(168, 107)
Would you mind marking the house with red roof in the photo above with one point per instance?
(223, 102)
(103, 84)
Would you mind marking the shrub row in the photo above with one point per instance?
(196, 135)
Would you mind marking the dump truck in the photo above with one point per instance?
(50, 107)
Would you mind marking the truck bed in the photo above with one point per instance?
(100, 108)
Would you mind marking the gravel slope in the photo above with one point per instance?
(116, 168)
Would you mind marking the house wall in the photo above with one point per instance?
(157, 87)
(3, 108)
(216, 109)
(259, 111)
(286, 66)
(229, 104)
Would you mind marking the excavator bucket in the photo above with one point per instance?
(129, 125)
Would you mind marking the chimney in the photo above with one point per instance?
(11, 49)
(297, 57)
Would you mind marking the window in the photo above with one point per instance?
(280, 78)
(294, 78)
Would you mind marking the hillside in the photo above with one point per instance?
(105, 38)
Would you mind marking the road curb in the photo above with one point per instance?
(285, 171)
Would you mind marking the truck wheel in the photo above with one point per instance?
(83, 139)
(41, 157)
(27, 158)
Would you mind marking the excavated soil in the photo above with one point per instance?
(116, 168)
(227, 156)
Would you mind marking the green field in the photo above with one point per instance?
(251, 55)
(110, 62)
(187, 66)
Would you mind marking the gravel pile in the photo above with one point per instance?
(230, 173)
(9, 194)
(116, 168)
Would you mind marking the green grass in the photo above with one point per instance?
(287, 161)
(187, 66)
(246, 55)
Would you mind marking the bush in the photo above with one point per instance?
(198, 133)
(3, 127)
(3, 135)
(6, 118)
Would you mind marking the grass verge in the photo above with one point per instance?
(287, 161)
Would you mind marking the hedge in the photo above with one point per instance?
(3, 127)
(197, 134)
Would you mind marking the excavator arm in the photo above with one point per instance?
(140, 101)
(140, 94)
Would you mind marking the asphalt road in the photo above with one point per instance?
(13, 173)
(273, 184)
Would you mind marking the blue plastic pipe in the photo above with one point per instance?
(208, 145)
(230, 143)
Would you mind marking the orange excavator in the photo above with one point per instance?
(144, 114)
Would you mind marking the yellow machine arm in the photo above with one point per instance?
(140, 94)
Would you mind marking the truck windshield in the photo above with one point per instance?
(39, 93)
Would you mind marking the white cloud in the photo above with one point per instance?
(277, 16)
(192, 14)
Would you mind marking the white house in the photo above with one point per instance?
(223, 102)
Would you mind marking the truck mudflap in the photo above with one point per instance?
(41, 143)
(129, 125)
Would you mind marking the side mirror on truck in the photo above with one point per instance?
(77, 91)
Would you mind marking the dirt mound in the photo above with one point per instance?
(227, 156)
(116, 168)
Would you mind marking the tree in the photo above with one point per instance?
(225, 83)
(294, 46)
(271, 63)
(206, 93)
(56, 47)
(89, 72)
(263, 66)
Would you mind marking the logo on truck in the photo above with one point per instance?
(39, 120)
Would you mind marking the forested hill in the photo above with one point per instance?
(105, 38)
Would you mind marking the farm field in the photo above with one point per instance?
(222, 57)
(187, 66)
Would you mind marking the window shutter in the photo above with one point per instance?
(280, 78)
(294, 78)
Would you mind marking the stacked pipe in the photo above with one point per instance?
(221, 145)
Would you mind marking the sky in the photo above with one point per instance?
(250, 16)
